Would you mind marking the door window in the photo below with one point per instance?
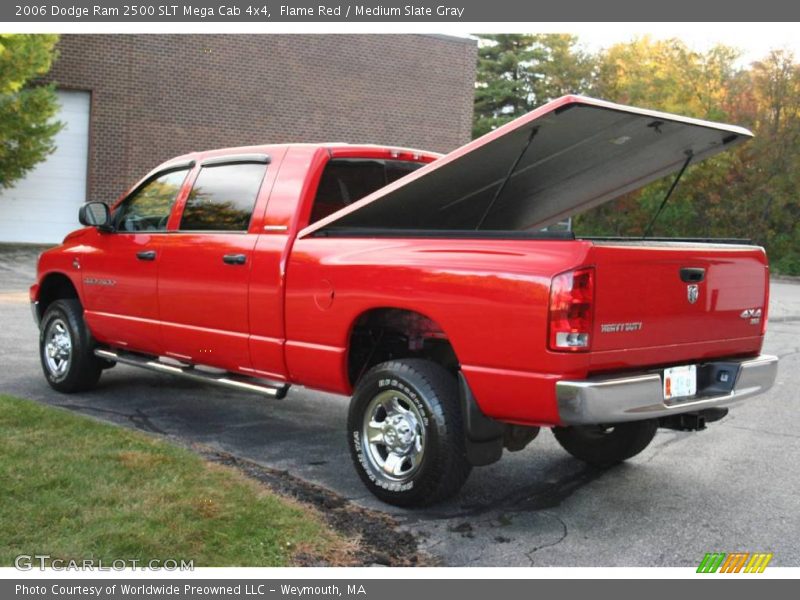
(148, 208)
(223, 197)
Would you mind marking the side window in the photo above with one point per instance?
(223, 198)
(148, 208)
(346, 180)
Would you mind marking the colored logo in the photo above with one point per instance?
(735, 562)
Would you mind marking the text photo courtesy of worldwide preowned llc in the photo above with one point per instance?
(324, 296)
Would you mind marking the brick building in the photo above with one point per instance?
(132, 101)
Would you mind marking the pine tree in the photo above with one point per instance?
(517, 73)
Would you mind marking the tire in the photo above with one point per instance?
(605, 446)
(415, 452)
(66, 348)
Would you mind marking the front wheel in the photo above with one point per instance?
(66, 350)
(405, 433)
(606, 445)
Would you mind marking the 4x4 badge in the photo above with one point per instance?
(692, 293)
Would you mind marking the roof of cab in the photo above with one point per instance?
(371, 150)
(336, 148)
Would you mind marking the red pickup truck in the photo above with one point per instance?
(428, 287)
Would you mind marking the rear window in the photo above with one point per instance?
(223, 197)
(346, 180)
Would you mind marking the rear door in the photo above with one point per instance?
(205, 266)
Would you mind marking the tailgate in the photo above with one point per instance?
(662, 294)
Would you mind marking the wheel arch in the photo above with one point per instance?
(55, 286)
(384, 333)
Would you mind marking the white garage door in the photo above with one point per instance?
(43, 206)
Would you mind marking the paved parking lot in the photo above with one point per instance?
(732, 487)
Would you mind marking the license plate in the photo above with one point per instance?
(680, 382)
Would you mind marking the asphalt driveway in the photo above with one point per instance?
(730, 488)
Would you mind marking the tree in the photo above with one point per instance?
(667, 75)
(27, 124)
(768, 171)
(750, 192)
(517, 73)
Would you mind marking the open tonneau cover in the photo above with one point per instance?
(563, 158)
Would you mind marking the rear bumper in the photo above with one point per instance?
(636, 397)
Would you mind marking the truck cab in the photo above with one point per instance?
(192, 264)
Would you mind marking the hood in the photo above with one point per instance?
(561, 159)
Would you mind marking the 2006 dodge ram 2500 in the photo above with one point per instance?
(428, 288)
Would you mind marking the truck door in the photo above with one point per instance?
(205, 268)
(121, 270)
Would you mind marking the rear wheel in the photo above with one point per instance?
(405, 433)
(66, 349)
(606, 445)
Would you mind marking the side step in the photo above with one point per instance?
(273, 389)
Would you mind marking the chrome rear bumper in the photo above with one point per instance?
(636, 397)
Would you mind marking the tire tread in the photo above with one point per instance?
(626, 441)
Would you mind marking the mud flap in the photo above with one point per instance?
(483, 437)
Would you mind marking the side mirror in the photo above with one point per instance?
(95, 214)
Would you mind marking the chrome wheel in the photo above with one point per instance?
(393, 436)
(57, 348)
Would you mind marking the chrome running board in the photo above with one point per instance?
(273, 389)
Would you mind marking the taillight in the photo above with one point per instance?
(570, 317)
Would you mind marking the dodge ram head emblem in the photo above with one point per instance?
(692, 292)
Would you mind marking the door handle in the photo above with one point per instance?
(692, 274)
(146, 255)
(234, 259)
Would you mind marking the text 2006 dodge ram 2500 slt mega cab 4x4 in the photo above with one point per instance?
(425, 287)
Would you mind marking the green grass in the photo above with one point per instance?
(75, 488)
